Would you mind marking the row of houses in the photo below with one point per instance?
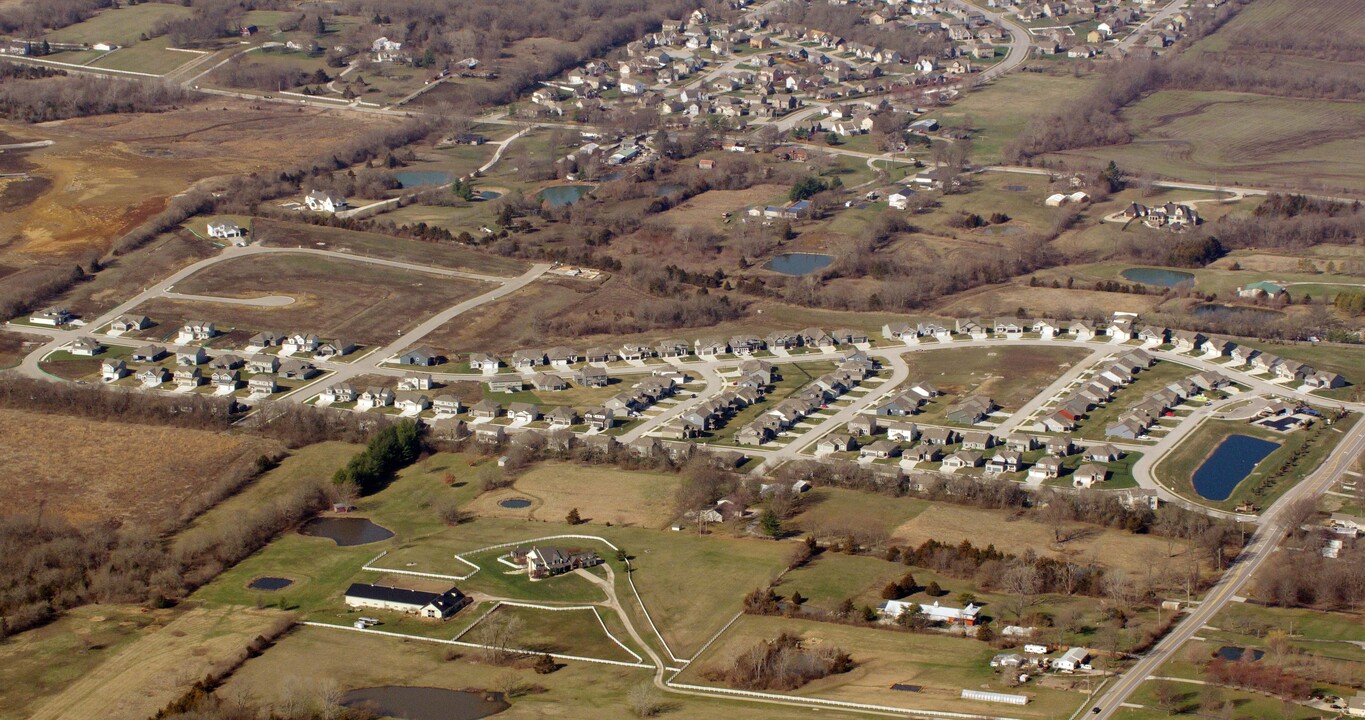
(851, 371)
(1137, 420)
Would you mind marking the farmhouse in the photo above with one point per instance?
(934, 613)
(436, 606)
(543, 562)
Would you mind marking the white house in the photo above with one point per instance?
(934, 613)
(195, 331)
(319, 201)
(225, 229)
(386, 50)
(1073, 660)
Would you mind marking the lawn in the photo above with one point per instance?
(1148, 381)
(121, 26)
(1011, 376)
(562, 632)
(1176, 470)
(333, 298)
(1349, 362)
(793, 377)
(836, 512)
(151, 56)
(94, 471)
(941, 665)
(1000, 110)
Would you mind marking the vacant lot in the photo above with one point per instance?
(91, 471)
(1111, 548)
(998, 111)
(1010, 376)
(157, 668)
(941, 665)
(836, 512)
(601, 495)
(568, 632)
(333, 298)
(443, 255)
(121, 26)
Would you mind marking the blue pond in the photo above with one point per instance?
(798, 263)
(346, 531)
(1229, 465)
(515, 503)
(1158, 276)
(270, 583)
(423, 178)
(562, 195)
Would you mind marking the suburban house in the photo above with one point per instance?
(600, 418)
(422, 356)
(189, 357)
(319, 201)
(415, 381)
(111, 370)
(835, 442)
(971, 411)
(592, 377)
(339, 393)
(562, 416)
(130, 323)
(925, 390)
(527, 359)
(1089, 474)
(53, 316)
(335, 348)
(262, 340)
(524, 412)
(262, 364)
(881, 449)
(483, 362)
(862, 425)
(299, 343)
(411, 403)
(1005, 461)
(962, 459)
(436, 606)
(543, 562)
(562, 356)
(262, 385)
(153, 376)
(297, 370)
(447, 405)
(977, 440)
(374, 397)
(1046, 468)
(1072, 660)
(938, 436)
(1103, 453)
(225, 229)
(190, 377)
(195, 331)
(149, 353)
(85, 347)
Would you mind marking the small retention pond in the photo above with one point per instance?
(270, 583)
(1158, 276)
(346, 531)
(1230, 463)
(423, 178)
(798, 263)
(562, 195)
(1234, 312)
(514, 503)
(421, 703)
(1235, 654)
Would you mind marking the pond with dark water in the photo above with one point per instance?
(423, 703)
(1160, 277)
(1234, 312)
(1235, 654)
(798, 263)
(346, 531)
(270, 583)
(1231, 462)
(514, 503)
(561, 195)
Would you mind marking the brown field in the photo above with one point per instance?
(156, 669)
(108, 173)
(1042, 302)
(443, 255)
(126, 275)
(1009, 375)
(12, 347)
(706, 208)
(1111, 548)
(601, 495)
(90, 471)
(369, 303)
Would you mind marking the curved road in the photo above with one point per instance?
(1016, 53)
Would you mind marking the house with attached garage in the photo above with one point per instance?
(263, 340)
(1126, 429)
(506, 385)
(523, 412)
(782, 340)
(1217, 347)
(1323, 380)
(672, 349)
(1021, 442)
(225, 229)
(189, 357)
(548, 381)
(195, 331)
(527, 359)
(971, 328)
(901, 330)
(1047, 329)
(1292, 370)
(600, 418)
(339, 393)
(421, 357)
(149, 353)
(600, 355)
(411, 403)
(1265, 362)
(153, 376)
(319, 201)
(53, 316)
(977, 440)
(1082, 330)
(226, 379)
(543, 562)
(1088, 475)
(1058, 421)
(634, 351)
(297, 370)
(130, 323)
(592, 377)
(862, 425)
(189, 377)
(111, 370)
(836, 442)
(880, 449)
(299, 343)
(483, 362)
(434, 606)
(562, 416)
(375, 397)
(962, 459)
(262, 385)
(971, 411)
(1005, 461)
(1046, 468)
(447, 405)
(925, 390)
(902, 405)
(938, 436)
(85, 347)
(562, 356)
(1010, 328)
(415, 381)
(1186, 341)
(745, 345)
(262, 364)
(1242, 355)
(1104, 452)
(711, 347)
(335, 348)
(490, 434)
(485, 410)
(1152, 336)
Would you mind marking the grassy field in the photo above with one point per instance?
(121, 26)
(310, 659)
(571, 632)
(1203, 137)
(942, 665)
(601, 495)
(43, 662)
(443, 255)
(66, 466)
(1349, 362)
(998, 111)
(835, 512)
(333, 298)
(1111, 548)
(1239, 703)
(156, 668)
(1176, 470)
(1011, 376)
(152, 56)
(126, 275)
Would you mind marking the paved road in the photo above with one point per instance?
(1159, 17)
(269, 301)
(1061, 383)
(1020, 41)
(1262, 545)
